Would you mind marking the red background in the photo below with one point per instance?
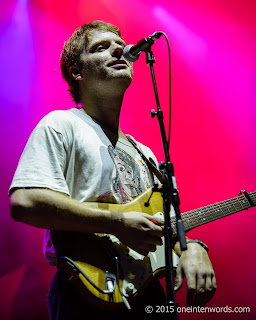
(213, 127)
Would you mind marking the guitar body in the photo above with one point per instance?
(95, 255)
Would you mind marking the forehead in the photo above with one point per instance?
(97, 36)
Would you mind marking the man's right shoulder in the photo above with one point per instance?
(58, 120)
(57, 116)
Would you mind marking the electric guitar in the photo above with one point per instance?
(108, 273)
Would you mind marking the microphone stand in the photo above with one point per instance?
(170, 197)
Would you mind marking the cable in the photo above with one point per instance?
(73, 264)
(118, 286)
(170, 87)
(109, 292)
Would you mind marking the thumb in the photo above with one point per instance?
(179, 280)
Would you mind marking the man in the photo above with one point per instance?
(81, 155)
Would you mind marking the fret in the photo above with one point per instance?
(225, 209)
(247, 201)
(174, 230)
(209, 212)
(219, 210)
(232, 205)
(192, 217)
(241, 202)
(195, 215)
(238, 199)
(187, 223)
(227, 206)
(237, 205)
(253, 196)
(205, 218)
(173, 223)
(244, 201)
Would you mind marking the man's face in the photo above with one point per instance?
(103, 58)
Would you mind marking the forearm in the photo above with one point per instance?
(48, 209)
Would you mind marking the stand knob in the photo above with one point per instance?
(153, 113)
(162, 165)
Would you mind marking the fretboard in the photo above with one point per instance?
(198, 217)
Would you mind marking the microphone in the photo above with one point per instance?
(132, 53)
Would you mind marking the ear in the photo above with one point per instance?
(75, 73)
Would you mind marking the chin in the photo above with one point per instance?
(121, 78)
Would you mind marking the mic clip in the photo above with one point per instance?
(132, 53)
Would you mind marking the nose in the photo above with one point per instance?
(117, 50)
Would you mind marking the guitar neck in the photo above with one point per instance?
(198, 217)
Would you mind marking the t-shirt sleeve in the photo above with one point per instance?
(42, 163)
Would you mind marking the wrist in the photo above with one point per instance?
(117, 223)
(196, 241)
(176, 245)
(201, 243)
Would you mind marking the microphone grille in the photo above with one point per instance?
(127, 54)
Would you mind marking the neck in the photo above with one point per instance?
(105, 112)
(104, 106)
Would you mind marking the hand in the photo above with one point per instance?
(139, 232)
(196, 266)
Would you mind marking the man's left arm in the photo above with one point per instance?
(195, 265)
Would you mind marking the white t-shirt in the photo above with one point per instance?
(68, 152)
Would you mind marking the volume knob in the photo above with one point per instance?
(129, 288)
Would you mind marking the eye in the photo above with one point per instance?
(100, 48)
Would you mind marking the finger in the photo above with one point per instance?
(200, 296)
(210, 288)
(214, 283)
(144, 248)
(191, 288)
(179, 279)
(141, 251)
(157, 241)
(205, 292)
(156, 220)
(153, 230)
(140, 248)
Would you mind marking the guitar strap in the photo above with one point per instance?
(149, 162)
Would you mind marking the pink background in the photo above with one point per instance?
(213, 131)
